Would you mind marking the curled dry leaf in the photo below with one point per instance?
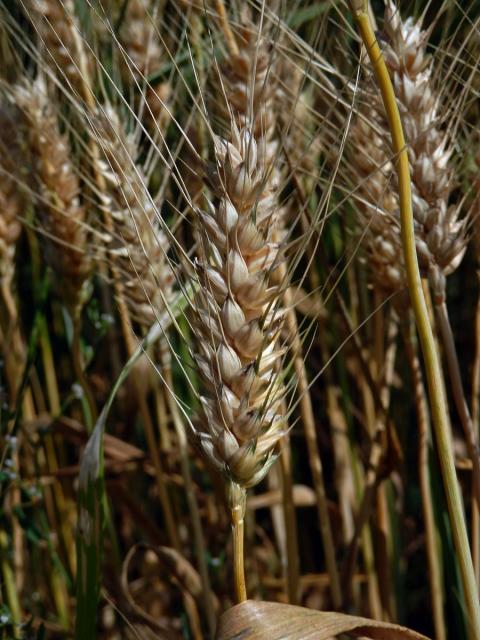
(179, 570)
(259, 620)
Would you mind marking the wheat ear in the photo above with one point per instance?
(432, 363)
(142, 56)
(245, 92)
(60, 212)
(440, 233)
(238, 322)
(137, 244)
(59, 31)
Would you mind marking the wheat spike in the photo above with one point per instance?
(140, 40)
(59, 210)
(139, 247)
(441, 234)
(12, 197)
(237, 318)
(58, 28)
(375, 200)
(439, 231)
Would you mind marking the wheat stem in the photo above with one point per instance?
(237, 499)
(432, 545)
(457, 392)
(291, 534)
(10, 587)
(475, 418)
(226, 28)
(79, 368)
(432, 363)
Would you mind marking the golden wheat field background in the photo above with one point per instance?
(239, 319)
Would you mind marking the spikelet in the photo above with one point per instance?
(59, 211)
(139, 246)
(12, 198)
(58, 30)
(236, 316)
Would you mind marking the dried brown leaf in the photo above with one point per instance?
(259, 620)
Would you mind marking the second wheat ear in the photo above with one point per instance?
(438, 403)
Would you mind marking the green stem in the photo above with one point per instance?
(9, 584)
(432, 545)
(436, 393)
(90, 408)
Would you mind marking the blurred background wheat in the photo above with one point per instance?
(205, 323)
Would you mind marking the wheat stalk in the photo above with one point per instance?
(432, 361)
(59, 211)
(244, 91)
(440, 232)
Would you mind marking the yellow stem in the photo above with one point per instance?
(432, 546)
(79, 368)
(9, 585)
(237, 500)
(226, 28)
(436, 393)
